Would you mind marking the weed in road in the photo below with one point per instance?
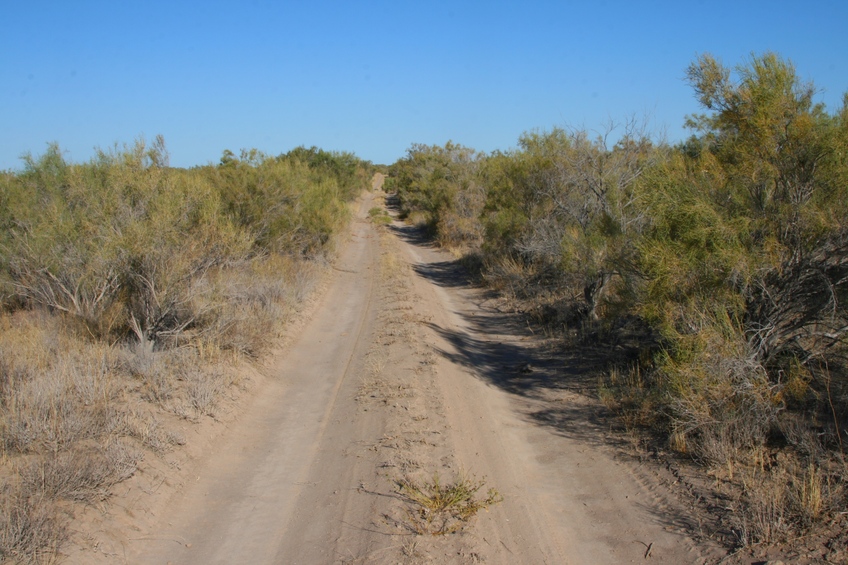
(439, 509)
(379, 216)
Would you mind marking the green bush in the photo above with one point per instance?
(440, 187)
(120, 243)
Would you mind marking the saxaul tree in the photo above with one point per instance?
(784, 170)
(587, 210)
(598, 194)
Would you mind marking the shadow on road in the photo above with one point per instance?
(503, 349)
(556, 385)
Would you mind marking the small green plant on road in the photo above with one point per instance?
(379, 216)
(439, 509)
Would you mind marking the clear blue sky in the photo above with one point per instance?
(374, 77)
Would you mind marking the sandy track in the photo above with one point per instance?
(244, 498)
(406, 371)
(519, 417)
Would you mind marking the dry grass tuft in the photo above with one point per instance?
(203, 389)
(82, 475)
(773, 503)
(379, 216)
(439, 509)
(248, 306)
(31, 528)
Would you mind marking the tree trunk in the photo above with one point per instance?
(592, 293)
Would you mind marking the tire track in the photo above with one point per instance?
(244, 502)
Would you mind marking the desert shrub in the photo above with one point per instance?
(249, 305)
(31, 528)
(568, 205)
(61, 425)
(123, 243)
(743, 276)
(116, 242)
(379, 216)
(82, 475)
(57, 390)
(761, 253)
(774, 502)
(291, 203)
(351, 173)
(439, 187)
(720, 402)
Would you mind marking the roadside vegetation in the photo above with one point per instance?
(128, 292)
(717, 268)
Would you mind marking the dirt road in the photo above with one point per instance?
(405, 373)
